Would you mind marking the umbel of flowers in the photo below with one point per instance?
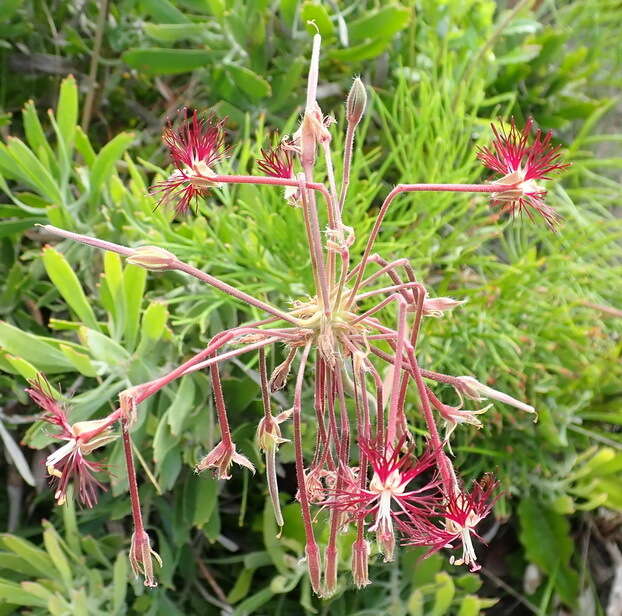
(367, 468)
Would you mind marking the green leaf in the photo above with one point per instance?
(384, 23)
(67, 111)
(40, 354)
(106, 161)
(241, 587)
(206, 500)
(16, 594)
(416, 603)
(171, 33)
(119, 582)
(51, 541)
(154, 321)
(163, 61)
(83, 145)
(134, 279)
(31, 169)
(81, 362)
(183, 403)
(164, 11)
(29, 552)
(470, 606)
(164, 440)
(13, 227)
(358, 53)
(312, 11)
(443, 594)
(547, 541)
(34, 131)
(253, 85)
(68, 285)
(103, 348)
(16, 455)
(253, 603)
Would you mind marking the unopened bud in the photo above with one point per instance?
(153, 258)
(356, 102)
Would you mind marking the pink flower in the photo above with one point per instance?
(194, 146)
(221, 458)
(389, 498)
(523, 165)
(68, 463)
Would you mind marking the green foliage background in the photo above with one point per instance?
(542, 319)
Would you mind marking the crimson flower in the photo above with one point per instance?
(459, 517)
(278, 162)
(390, 498)
(523, 165)
(68, 463)
(194, 145)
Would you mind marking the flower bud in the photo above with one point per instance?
(356, 102)
(153, 258)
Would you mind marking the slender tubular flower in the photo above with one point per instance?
(195, 145)
(69, 463)
(523, 165)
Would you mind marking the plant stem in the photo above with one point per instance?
(400, 188)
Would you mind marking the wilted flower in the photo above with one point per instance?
(221, 458)
(472, 388)
(69, 462)
(523, 165)
(436, 306)
(269, 433)
(454, 415)
(360, 562)
(141, 556)
(194, 146)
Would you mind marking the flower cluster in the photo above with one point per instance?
(362, 357)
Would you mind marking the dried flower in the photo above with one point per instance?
(194, 146)
(269, 433)
(523, 165)
(360, 563)
(68, 463)
(141, 556)
(437, 306)
(221, 458)
(472, 388)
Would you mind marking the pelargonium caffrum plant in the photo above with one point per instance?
(364, 470)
